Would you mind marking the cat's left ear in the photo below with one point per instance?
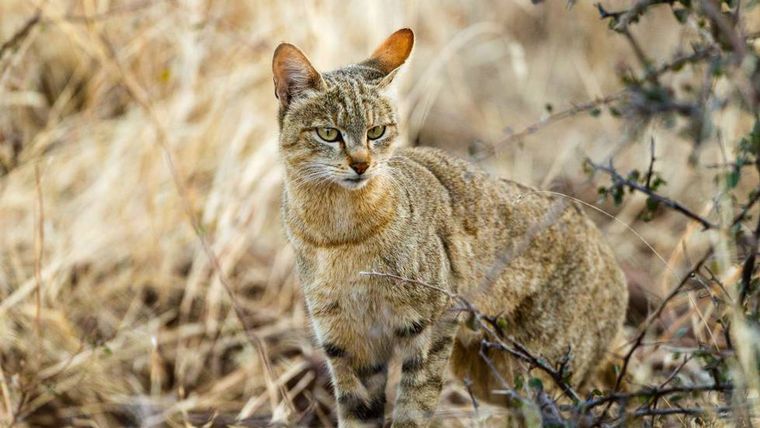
(391, 54)
(293, 74)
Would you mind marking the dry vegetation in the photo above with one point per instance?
(144, 276)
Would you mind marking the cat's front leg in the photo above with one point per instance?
(359, 388)
(425, 356)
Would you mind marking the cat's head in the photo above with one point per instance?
(338, 127)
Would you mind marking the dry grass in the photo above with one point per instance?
(139, 177)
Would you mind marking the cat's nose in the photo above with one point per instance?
(359, 167)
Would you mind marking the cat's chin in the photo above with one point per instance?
(354, 183)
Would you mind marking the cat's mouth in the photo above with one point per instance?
(355, 182)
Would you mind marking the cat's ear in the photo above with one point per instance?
(391, 54)
(293, 74)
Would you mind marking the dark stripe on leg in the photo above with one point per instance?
(333, 351)
(413, 364)
(441, 344)
(426, 380)
(434, 380)
(411, 330)
(358, 409)
(369, 371)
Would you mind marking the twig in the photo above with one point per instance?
(468, 386)
(699, 54)
(620, 180)
(749, 264)
(747, 207)
(686, 359)
(675, 372)
(39, 246)
(651, 73)
(645, 62)
(21, 34)
(508, 391)
(550, 413)
(648, 323)
(560, 115)
(693, 411)
(655, 393)
(724, 26)
(604, 13)
(656, 314)
(524, 354)
(625, 18)
(650, 170)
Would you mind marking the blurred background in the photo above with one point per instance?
(140, 184)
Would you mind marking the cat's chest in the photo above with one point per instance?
(346, 300)
(344, 275)
(327, 265)
(343, 278)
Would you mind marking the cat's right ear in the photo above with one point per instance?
(293, 74)
(391, 54)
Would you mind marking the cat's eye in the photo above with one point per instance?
(375, 132)
(330, 135)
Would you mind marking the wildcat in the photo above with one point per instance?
(355, 203)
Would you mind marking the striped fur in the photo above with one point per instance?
(424, 215)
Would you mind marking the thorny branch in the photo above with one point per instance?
(648, 323)
(692, 411)
(620, 180)
(624, 18)
(672, 376)
(621, 22)
(754, 198)
(655, 393)
(558, 116)
(499, 340)
(720, 21)
(639, 52)
(699, 54)
(518, 350)
(656, 314)
(490, 326)
(726, 47)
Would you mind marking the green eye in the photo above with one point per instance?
(328, 134)
(375, 132)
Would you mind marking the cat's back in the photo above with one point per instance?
(480, 202)
(490, 216)
(461, 178)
